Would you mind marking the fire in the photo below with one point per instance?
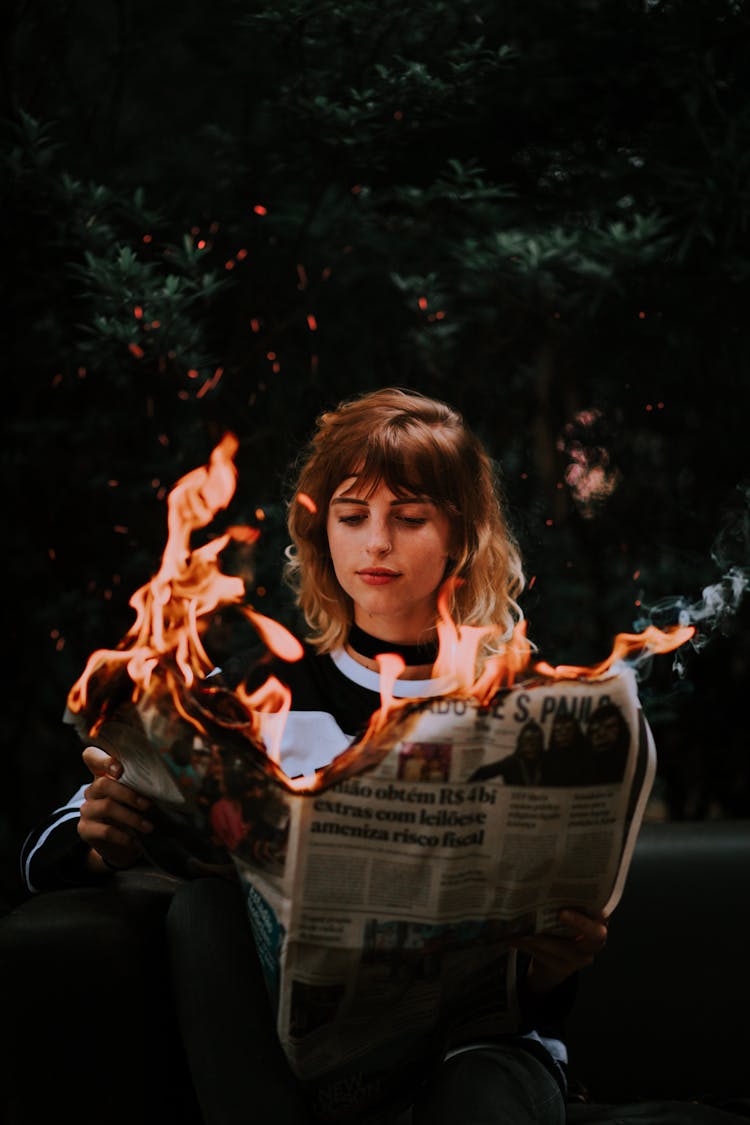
(390, 666)
(458, 647)
(626, 644)
(271, 702)
(162, 660)
(175, 606)
(457, 660)
(503, 668)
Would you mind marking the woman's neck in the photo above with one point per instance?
(419, 658)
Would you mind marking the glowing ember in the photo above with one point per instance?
(306, 502)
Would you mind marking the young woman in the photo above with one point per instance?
(393, 495)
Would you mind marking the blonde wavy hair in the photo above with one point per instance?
(415, 445)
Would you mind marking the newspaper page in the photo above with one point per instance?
(384, 897)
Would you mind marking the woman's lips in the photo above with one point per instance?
(377, 576)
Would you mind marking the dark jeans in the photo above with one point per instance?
(491, 1086)
(239, 1070)
(89, 1032)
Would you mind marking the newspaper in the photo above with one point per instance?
(385, 895)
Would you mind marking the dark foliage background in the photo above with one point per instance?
(231, 216)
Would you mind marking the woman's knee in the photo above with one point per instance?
(503, 1085)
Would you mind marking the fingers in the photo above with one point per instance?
(113, 843)
(99, 762)
(112, 814)
(589, 933)
(555, 956)
(112, 829)
(110, 802)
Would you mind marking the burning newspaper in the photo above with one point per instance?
(384, 890)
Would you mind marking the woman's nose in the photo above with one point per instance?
(379, 540)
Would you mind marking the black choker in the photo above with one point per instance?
(367, 645)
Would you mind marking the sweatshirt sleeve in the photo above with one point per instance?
(53, 855)
(545, 1014)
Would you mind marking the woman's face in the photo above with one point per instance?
(389, 555)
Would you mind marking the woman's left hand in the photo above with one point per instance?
(555, 957)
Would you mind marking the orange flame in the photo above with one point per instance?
(458, 647)
(276, 637)
(390, 666)
(272, 699)
(458, 650)
(503, 668)
(187, 588)
(653, 639)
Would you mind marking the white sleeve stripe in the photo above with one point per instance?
(74, 811)
(75, 801)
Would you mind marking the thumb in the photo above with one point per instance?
(99, 762)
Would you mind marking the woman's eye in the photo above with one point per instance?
(414, 521)
(351, 519)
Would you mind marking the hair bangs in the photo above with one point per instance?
(409, 459)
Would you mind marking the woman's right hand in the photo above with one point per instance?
(111, 821)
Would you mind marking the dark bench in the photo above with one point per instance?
(658, 1034)
(663, 1013)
